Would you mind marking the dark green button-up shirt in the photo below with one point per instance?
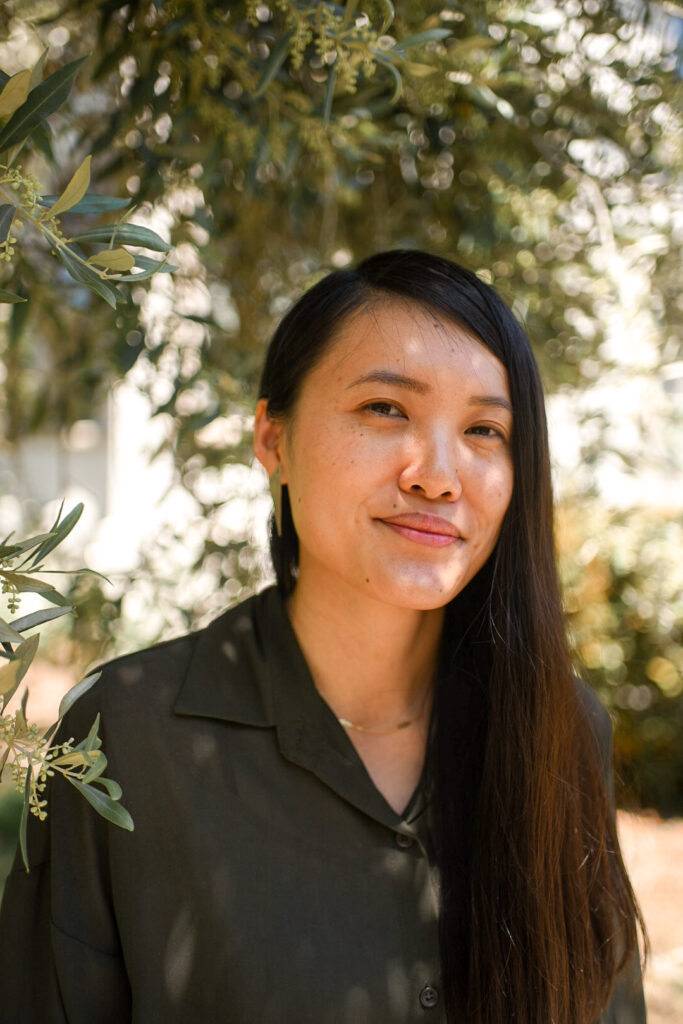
(267, 880)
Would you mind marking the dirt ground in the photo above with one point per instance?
(653, 851)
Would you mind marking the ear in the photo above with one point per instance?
(268, 439)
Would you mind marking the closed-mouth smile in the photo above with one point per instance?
(424, 528)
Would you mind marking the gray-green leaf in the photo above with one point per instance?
(7, 212)
(72, 695)
(90, 204)
(274, 63)
(59, 531)
(24, 819)
(10, 296)
(8, 634)
(84, 275)
(104, 805)
(41, 102)
(38, 618)
(124, 234)
(432, 35)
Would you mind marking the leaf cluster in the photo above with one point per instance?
(31, 755)
(26, 101)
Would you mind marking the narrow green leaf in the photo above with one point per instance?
(275, 61)
(12, 674)
(75, 759)
(96, 769)
(31, 585)
(26, 652)
(148, 268)
(59, 531)
(42, 101)
(92, 741)
(38, 69)
(74, 191)
(10, 296)
(22, 546)
(59, 516)
(389, 16)
(84, 275)
(14, 92)
(112, 787)
(104, 805)
(23, 825)
(20, 723)
(163, 266)
(329, 96)
(39, 618)
(9, 680)
(90, 204)
(432, 35)
(7, 212)
(72, 695)
(458, 49)
(398, 89)
(73, 572)
(419, 70)
(124, 234)
(8, 634)
(41, 138)
(113, 259)
(3, 762)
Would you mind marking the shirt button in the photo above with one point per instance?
(429, 997)
(403, 841)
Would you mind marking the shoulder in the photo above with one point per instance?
(143, 680)
(146, 684)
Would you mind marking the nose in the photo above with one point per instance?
(431, 469)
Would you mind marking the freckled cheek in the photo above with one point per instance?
(490, 492)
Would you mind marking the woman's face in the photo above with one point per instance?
(397, 458)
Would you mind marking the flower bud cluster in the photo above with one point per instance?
(8, 587)
(27, 185)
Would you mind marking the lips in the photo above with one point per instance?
(424, 523)
(434, 531)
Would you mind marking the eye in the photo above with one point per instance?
(386, 410)
(484, 430)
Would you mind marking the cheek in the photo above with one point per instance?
(494, 479)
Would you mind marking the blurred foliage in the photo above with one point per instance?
(623, 579)
(539, 144)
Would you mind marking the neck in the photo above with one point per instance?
(372, 663)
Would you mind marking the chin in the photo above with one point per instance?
(418, 594)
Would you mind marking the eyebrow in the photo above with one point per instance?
(396, 379)
(399, 380)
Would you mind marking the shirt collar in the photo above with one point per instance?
(248, 667)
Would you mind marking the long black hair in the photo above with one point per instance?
(537, 914)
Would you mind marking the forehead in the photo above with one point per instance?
(410, 339)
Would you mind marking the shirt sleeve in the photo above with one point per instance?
(60, 956)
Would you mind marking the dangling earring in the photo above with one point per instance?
(275, 485)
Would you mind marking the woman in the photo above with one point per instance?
(374, 793)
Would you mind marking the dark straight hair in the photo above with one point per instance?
(537, 914)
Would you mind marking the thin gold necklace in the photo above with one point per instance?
(394, 728)
(381, 732)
